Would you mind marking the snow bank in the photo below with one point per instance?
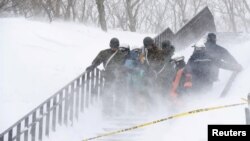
(37, 59)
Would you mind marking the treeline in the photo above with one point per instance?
(151, 16)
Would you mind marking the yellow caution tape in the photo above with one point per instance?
(167, 118)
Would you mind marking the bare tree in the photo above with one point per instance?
(196, 4)
(83, 17)
(246, 5)
(117, 17)
(48, 8)
(241, 12)
(101, 11)
(70, 10)
(182, 4)
(132, 8)
(151, 16)
(230, 4)
(57, 8)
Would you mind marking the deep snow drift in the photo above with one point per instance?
(39, 58)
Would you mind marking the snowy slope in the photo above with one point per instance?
(39, 58)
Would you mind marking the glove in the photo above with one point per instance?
(90, 68)
(188, 83)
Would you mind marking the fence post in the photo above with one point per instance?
(77, 98)
(1, 137)
(60, 108)
(97, 83)
(40, 134)
(18, 131)
(102, 85)
(83, 92)
(54, 114)
(47, 119)
(247, 111)
(66, 105)
(33, 128)
(71, 103)
(10, 136)
(26, 125)
(92, 86)
(87, 89)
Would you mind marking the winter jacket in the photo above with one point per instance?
(154, 60)
(223, 58)
(112, 62)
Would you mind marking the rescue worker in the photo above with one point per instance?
(202, 69)
(167, 72)
(112, 60)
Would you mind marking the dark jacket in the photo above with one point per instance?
(112, 62)
(222, 58)
(104, 56)
(154, 59)
(204, 64)
(168, 52)
(202, 67)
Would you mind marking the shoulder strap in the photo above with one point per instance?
(162, 69)
(110, 58)
(146, 56)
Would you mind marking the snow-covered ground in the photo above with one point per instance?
(36, 59)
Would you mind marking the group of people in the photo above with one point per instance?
(151, 70)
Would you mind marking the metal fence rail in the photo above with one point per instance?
(247, 111)
(61, 108)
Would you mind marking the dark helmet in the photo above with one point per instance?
(114, 43)
(166, 44)
(211, 37)
(148, 41)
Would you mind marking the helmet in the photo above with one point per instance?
(166, 44)
(114, 43)
(211, 37)
(148, 41)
